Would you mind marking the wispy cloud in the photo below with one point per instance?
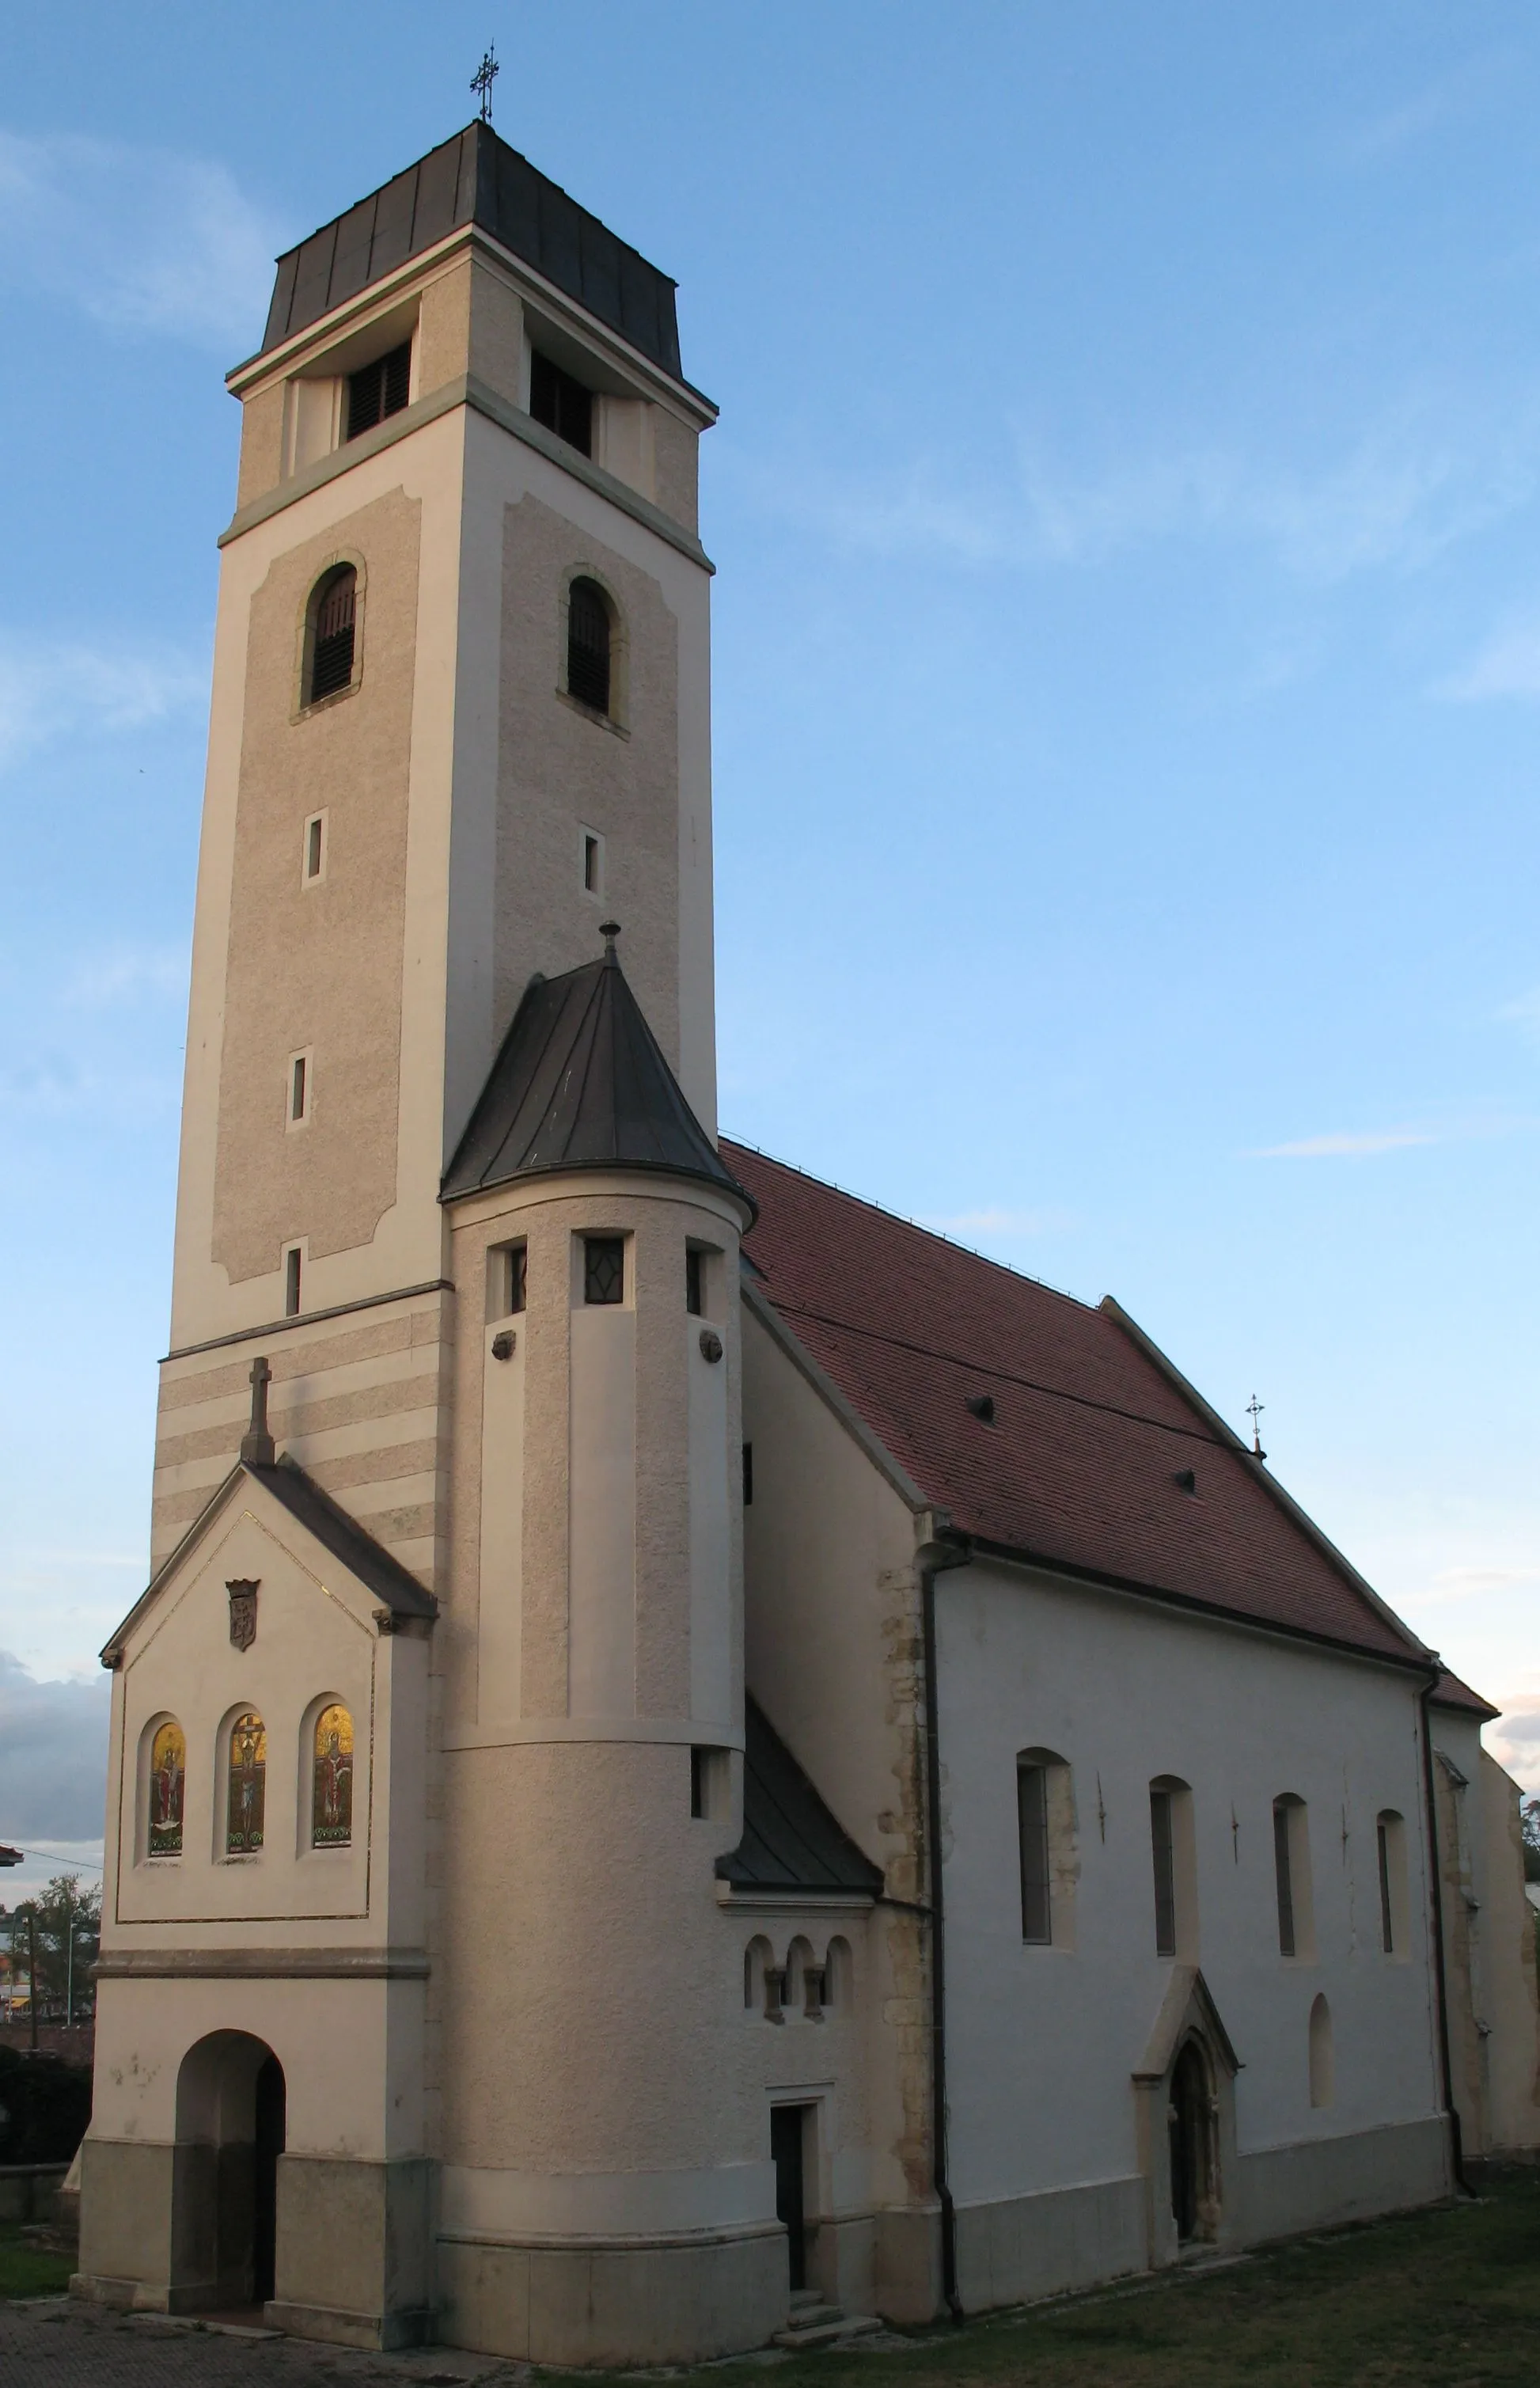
(1452, 98)
(1509, 665)
(51, 690)
(1430, 472)
(123, 974)
(996, 1221)
(142, 239)
(1462, 1583)
(1346, 1143)
(1526, 1011)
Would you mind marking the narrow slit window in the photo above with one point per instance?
(589, 643)
(1387, 1927)
(291, 1282)
(518, 1278)
(333, 634)
(299, 1088)
(1283, 1866)
(694, 1283)
(560, 401)
(379, 390)
(314, 849)
(1032, 1791)
(591, 865)
(699, 1786)
(603, 1269)
(1163, 1853)
(748, 1475)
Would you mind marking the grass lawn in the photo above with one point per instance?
(1450, 2299)
(25, 2272)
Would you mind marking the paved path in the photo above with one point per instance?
(56, 2342)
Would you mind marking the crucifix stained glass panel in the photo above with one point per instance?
(168, 1789)
(248, 1774)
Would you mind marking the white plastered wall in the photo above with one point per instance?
(1043, 2040)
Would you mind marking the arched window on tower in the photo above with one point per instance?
(589, 645)
(168, 1790)
(332, 1793)
(332, 634)
(247, 1799)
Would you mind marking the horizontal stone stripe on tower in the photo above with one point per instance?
(292, 1354)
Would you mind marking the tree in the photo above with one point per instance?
(1529, 1818)
(62, 1915)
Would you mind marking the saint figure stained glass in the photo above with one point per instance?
(332, 1812)
(248, 1774)
(168, 1789)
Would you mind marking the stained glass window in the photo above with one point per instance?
(248, 1774)
(331, 1811)
(168, 1789)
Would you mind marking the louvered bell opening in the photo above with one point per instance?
(378, 390)
(589, 645)
(332, 659)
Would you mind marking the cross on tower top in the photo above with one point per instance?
(485, 77)
(1253, 1411)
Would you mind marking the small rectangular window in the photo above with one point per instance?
(708, 1782)
(507, 1279)
(694, 1273)
(603, 1268)
(379, 390)
(1387, 1916)
(590, 864)
(315, 846)
(559, 401)
(1165, 1873)
(1031, 1793)
(299, 1088)
(291, 1282)
(1283, 1866)
(748, 1475)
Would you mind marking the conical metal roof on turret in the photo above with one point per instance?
(581, 1082)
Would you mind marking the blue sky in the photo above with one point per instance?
(1127, 503)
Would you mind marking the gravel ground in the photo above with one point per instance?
(58, 2343)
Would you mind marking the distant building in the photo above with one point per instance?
(691, 1746)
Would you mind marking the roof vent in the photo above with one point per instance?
(981, 1405)
(1188, 1479)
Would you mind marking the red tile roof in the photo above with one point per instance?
(1450, 1693)
(1080, 1467)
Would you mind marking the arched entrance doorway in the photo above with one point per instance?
(1194, 2184)
(231, 2128)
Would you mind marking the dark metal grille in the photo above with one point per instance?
(378, 390)
(589, 645)
(332, 657)
(561, 404)
(1165, 1873)
(603, 1269)
(1032, 1793)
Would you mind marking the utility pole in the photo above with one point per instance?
(32, 1980)
(69, 1968)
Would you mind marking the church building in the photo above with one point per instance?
(697, 1763)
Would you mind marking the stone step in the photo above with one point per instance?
(825, 2332)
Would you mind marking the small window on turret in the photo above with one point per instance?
(560, 402)
(695, 1270)
(378, 390)
(603, 1268)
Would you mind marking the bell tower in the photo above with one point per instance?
(460, 713)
